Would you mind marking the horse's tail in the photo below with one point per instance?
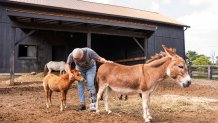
(45, 70)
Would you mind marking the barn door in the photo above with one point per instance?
(58, 53)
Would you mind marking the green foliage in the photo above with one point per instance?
(202, 60)
(192, 55)
(217, 60)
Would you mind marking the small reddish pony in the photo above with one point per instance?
(141, 78)
(61, 84)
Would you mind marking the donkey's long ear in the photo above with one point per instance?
(170, 53)
(174, 50)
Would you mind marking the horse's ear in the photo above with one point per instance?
(75, 71)
(169, 52)
(72, 71)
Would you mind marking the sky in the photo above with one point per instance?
(201, 15)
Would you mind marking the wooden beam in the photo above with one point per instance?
(131, 59)
(89, 40)
(62, 18)
(22, 39)
(146, 47)
(76, 24)
(12, 57)
(137, 42)
(95, 26)
(79, 29)
(114, 28)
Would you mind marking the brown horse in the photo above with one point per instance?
(141, 78)
(61, 84)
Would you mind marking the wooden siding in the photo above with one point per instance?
(5, 38)
(168, 35)
(110, 47)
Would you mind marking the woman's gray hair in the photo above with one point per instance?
(77, 53)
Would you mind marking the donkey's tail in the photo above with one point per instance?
(45, 70)
(96, 83)
(97, 86)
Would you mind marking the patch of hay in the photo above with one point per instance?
(175, 104)
(120, 107)
(165, 103)
(28, 78)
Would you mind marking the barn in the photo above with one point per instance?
(33, 32)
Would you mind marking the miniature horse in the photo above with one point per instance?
(141, 78)
(61, 84)
(56, 66)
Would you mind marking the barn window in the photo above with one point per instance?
(27, 51)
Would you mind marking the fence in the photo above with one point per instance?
(204, 71)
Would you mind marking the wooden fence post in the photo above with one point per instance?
(11, 83)
(209, 72)
(189, 70)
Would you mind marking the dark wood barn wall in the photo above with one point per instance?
(5, 40)
(171, 36)
(110, 47)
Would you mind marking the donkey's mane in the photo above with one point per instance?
(159, 55)
(156, 57)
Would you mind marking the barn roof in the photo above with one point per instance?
(106, 9)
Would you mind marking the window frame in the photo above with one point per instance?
(27, 57)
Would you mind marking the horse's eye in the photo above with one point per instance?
(180, 66)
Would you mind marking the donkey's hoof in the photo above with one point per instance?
(147, 120)
(149, 117)
(47, 106)
(97, 111)
(61, 109)
(109, 111)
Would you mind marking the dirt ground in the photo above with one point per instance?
(25, 102)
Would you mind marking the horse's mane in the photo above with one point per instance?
(65, 76)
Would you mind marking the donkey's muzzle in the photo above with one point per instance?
(187, 84)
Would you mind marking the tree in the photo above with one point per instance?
(217, 60)
(192, 55)
(202, 60)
